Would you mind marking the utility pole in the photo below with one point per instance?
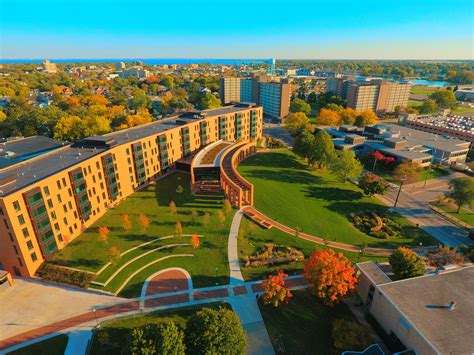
(399, 190)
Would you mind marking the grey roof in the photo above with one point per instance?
(423, 301)
(374, 272)
(48, 164)
(404, 153)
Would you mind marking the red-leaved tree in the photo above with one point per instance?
(275, 290)
(329, 275)
(195, 242)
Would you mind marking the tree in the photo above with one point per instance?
(428, 106)
(178, 229)
(349, 334)
(365, 118)
(114, 254)
(329, 275)
(126, 222)
(173, 209)
(167, 81)
(377, 156)
(407, 171)
(462, 191)
(346, 165)
(193, 215)
(304, 146)
(275, 291)
(195, 242)
(324, 149)
(298, 105)
(139, 100)
(406, 263)
(445, 256)
(297, 123)
(160, 339)
(371, 184)
(104, 234)
(444, 98)
(211, 331)
(144, 221)
(328, 117)
(69, 128)
(348, 116)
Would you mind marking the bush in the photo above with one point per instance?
(215, 332)
(271, 254)
(160, 339)
(369, 223)
(49, 272)
(349, 335)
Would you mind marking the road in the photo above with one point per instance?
(276, 130)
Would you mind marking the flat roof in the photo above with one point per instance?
(34, 170)
(214, 151)
(423, 301)
(398, 152)
(374, 272)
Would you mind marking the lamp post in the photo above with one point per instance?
(216, 277)
(95, 317)
(428, 173)
(399, 190)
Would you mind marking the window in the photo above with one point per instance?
(59, 198)
(50, 203)
(64, 182)
(53, 214)
(29, 244)
(16, 206)
(65, 221)
(60, 237)
(59, 184)
(46, 191)
(1, 212)
(26, 233)
(34, 257)
(16, 250)
(56, 227)
(70, 205)
(21, 219)
(97, 165)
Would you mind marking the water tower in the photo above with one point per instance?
(271, 66)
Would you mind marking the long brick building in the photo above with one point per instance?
(47, 201)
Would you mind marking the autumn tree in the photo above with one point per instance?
(348, 116)
(126, 222)
(221, 218)
(329, 275)
(299, 105)
(406, 263)
(371, 184)
(104, 234)
(328, 117)
(365, 118)
(114, 254)
(206, 219)
(377, 156)
(428, 106)
(407, 172)
(297, 123)
(178, 229)
(195, 242)
(346, 165)
(275, 291)
(445, 256)
(173, 209)
(144, 221)
(444, 98)
(462, 191)
(211, 331)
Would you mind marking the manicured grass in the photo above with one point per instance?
(252, 237)
(433, 173)
(303, 326)
(413, 103)
(317, 202)
(465, 215)
(113, 336)
(463, 109)
(52, 346)
(88, 252)
(422, 90)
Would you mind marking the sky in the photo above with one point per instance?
(330, 29)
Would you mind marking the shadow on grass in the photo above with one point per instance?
(287, 175)
(81, 263)
(332, 193)
(274, 159)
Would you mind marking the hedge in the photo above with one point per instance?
(49, 272)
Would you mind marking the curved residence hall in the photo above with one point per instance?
(49, 200)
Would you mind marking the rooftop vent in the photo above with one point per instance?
(451, 305)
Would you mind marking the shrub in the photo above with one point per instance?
(160, 339)
(49, 272)
(406, 263)
(215, 332)
(349, 335)
(271, 254)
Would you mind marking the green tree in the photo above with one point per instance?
(305, 147)
(406, 263)
(429, 106)
(212, 332)
(167, 81)
(324, 149)
(297, 123)
(346, 165)
(462, 191)
(160, 339)
(298, 105)
(444, 98)
(139, 100)
(371, 184)
(407, 171)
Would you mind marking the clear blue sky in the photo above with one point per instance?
(385, 29)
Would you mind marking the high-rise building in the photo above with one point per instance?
(48, 201)
(273, 96)
(229, 90)
(49, 67)
(369, 93)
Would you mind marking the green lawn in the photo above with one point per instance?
(466, 215)
(463, 109)
(113, 336)
(52, 346)
(88, 252)
(303, 326)
(251, 237)
(422, 90)
(433, 173)
(317, 202)
(413, 103)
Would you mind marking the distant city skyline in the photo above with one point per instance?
(267, 29)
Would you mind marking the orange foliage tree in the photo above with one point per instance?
(126, 222)
(114, 253)
(144, 221)
(275, 291)
(328, 117)
(195, 242)
(329, 275)
(104, 234)
(178, 229)
(173, 209)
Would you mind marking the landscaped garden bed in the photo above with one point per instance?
(376, 225)
(272, 254)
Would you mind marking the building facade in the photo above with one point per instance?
(229, 90)
(49, 200)
(275, 99)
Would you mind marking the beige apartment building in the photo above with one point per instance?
(229, 90)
